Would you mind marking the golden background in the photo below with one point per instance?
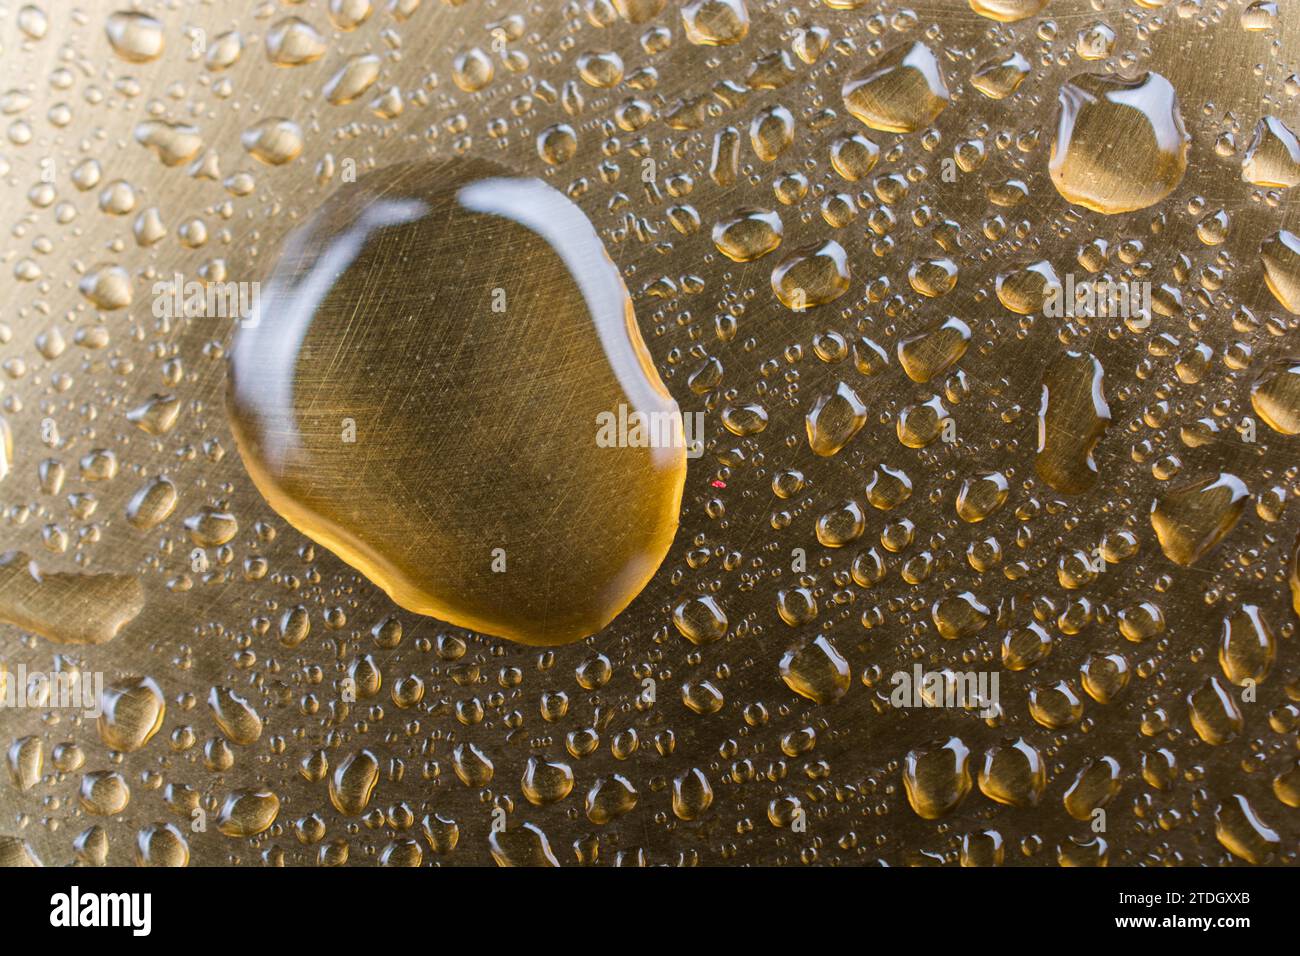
(268, 147)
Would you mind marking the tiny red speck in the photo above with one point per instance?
(719, 484)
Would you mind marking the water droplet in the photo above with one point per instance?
(715, 22)
(932, 351)
(1247, 648)
(293, 42)
(816, 670)
(748, 234)
(248, 811)
(415, 507)
(132, 713)
(526, 845)
(274, 141)
(812, 275)
(66, 608)
(1008, 11)
(834, 420)
(1214, 713)
(1190, 520)
(1240, 830)
(937, 779)
(1071, 420)
(900, 92)
(1272, 160)
(353, 782)
(1120, 143)
(135, 37)
(1280, 256)
(999, 78)
(104, 793)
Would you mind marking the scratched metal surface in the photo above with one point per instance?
(787, 779)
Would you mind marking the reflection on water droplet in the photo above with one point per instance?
(1120, 143)
(66, 608)
(715, 22)
(440, 420)
(900, 92)
(1280, 256)
(1190, 520)
(1071, 420)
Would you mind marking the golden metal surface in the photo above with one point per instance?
(738, 711)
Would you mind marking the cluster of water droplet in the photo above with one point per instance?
(841, 225)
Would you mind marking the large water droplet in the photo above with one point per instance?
(446, 387)
(901, 92)
(1120, 143)
(1071, 419)
(1191, 519)
(66, 608)
(1280, 256)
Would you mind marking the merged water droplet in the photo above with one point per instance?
(1071, 420)
(900, 92)
(67, 608)
(1280, 256)
(715, 22)
(1191, 519)
(1120, 143)
(441, 356)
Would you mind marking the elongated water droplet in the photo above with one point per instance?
(66, 608)
(1071, 420)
